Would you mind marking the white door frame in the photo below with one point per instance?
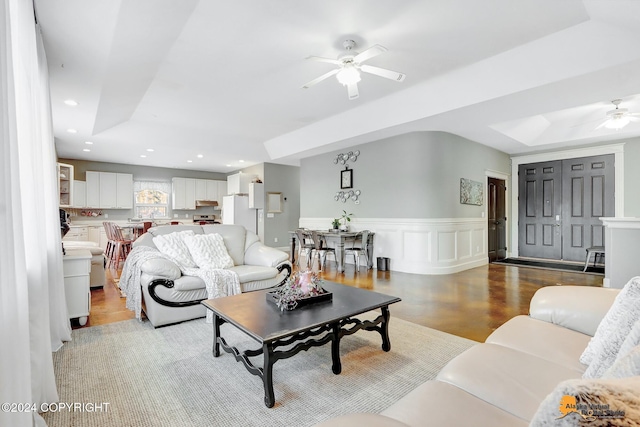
(616, 149)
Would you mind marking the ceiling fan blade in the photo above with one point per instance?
(388, 74)
(329, 60)
(374, 50)
(321, 78)
(353, 91)
(601, 124)
(633, 119)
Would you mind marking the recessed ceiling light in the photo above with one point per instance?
(228, 166)
(241, 161)
(200, 156)
(150, 150)
(71, 102)
(88, 142)
(72, 131)
(86, 149)
(189, 161)
(143, 155)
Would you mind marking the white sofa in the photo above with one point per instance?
(169, 297)
(503, 381)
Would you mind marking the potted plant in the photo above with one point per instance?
(335, 224)
(346, 218)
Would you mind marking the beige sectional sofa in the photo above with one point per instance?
(170, 297)
(503, 381)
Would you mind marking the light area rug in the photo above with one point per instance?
(168, 376)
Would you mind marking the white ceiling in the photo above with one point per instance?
(223, 79)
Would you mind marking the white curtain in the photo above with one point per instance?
(33, 314)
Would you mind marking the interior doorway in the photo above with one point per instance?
(496, 219)
(559, 206)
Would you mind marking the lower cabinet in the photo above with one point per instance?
(76, 266)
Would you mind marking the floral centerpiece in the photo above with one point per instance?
(302, 286)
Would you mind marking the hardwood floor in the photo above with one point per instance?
(469, 304)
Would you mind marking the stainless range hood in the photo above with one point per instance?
(206, 203)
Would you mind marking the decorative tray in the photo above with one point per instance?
(326, 296)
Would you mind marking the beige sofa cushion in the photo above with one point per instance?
(436, 403)
(234, 239)
(511, 380)
(546, 340)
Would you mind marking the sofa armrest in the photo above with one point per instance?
(579, 308)
(161, 267)
(261, 254)
(362, 419)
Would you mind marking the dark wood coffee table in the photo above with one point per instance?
(309, 326)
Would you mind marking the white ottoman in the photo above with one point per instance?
(97, 277)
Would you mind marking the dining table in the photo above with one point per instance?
(337, 240)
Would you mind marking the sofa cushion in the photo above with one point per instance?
(250, 273)
(511, 380)
(443, 404)
(208, 251)
(173, 246)
(234, 239)
(570, 402)
(613, 330)
(162, 267)
(546, 340)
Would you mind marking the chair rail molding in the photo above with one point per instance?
(422, 245)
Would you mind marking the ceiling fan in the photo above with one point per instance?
(350, 64)
(618, 118)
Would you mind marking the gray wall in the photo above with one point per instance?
(631, 177)
(141, 173)
(416, 175)
(286, 180)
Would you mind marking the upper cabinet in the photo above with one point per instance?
(108, 190)
(65, 185)
(238, 183)
(79, 194)
(256, 195)
(187, 190)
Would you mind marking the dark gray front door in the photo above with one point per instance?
(588, 194)
(540, 210)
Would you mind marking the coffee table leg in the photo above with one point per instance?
(335, 350)
(216, 334)
(386, 343)
(267, 376)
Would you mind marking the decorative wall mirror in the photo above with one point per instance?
(274, 203)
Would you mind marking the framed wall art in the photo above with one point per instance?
(471, 192)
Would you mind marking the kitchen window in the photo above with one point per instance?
(151, 199)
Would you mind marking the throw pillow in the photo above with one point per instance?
(208, 251)
(603, 348)
(593, 403)
(173, 246)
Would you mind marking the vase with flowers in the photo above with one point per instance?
(300, 289)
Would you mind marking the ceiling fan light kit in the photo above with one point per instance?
(350, 65)
(619, 117)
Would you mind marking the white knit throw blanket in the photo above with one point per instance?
(219, 282)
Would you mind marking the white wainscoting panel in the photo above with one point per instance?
(422, 246)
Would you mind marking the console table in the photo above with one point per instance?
(76, 266)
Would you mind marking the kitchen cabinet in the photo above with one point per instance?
(222, 190)
(238, 183)
(201, 189)
(212, 191)
(256, 196)
(76, 267)
(65, 185)
(77, 234)
(79, 194)
(184, 193)
(109, 190)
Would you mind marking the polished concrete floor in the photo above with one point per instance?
(469, 304)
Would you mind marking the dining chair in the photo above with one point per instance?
(321, 249)
(306, 245)
(358, 248)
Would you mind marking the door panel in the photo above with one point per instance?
(539, 205)
(588, 184)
